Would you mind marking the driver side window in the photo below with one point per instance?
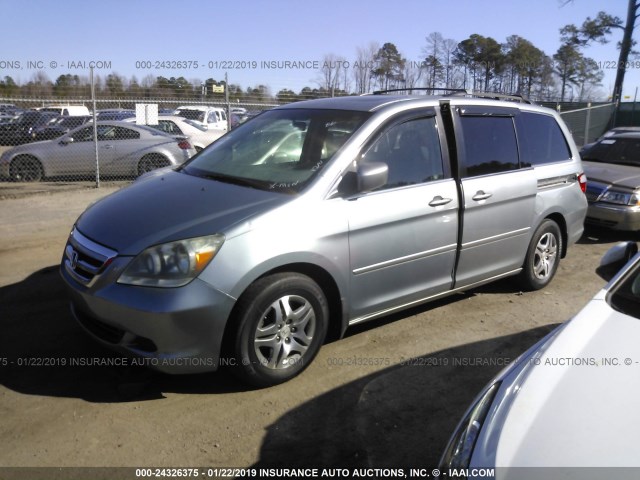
(411, 150)
(84, 135)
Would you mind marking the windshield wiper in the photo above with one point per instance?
(245, 182)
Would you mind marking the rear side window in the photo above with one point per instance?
(489, 144)
(168, 126)
(541, 140)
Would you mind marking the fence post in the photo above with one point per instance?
(226, 99)
(95, 126)
(587, 124)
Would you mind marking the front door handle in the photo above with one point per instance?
(438, 200)
(481, 195)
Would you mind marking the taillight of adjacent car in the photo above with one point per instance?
(582, 180)
(184, 145)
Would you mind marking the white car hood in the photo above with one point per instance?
(573, 410)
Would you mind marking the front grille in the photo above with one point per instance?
(84, 259)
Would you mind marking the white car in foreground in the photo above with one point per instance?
(569, 402)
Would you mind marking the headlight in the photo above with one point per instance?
(460, 447)
(172, 264)
(620, 198)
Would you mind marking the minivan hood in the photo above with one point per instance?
(623, 175)
(171, 206)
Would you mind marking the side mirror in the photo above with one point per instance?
(67, 141)
(616, 258)
(372, 175)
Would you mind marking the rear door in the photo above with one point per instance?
(498, 195)
(403, 236)
(123, 147)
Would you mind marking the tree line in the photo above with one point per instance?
(477, 62)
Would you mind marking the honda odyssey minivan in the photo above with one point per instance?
(319, 215)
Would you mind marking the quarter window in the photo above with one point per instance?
(489, 144)
(121, 133)
(541, 140)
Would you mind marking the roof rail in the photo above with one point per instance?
(461, 92)
(513, 97)
(428, 89)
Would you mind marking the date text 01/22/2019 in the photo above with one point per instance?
(232, 65)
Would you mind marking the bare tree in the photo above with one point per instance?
(330, 72)
(432, 59)
(412, 74)
(363, 66)
(447, 58)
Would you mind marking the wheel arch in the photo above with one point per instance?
(325, 281)
(153, 155)
(562, 224)
(45, 172)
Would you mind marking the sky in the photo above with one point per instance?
(240, 38)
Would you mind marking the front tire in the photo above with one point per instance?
(26, 169)
(543, 256)
(281, 323)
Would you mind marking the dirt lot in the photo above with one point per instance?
(357, 405)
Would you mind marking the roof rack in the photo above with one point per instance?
(427, 89)
(461, 92)
(513, 97)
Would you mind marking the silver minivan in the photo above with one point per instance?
(319, 215)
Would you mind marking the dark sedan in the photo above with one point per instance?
(613, 182)
(59, 127)
(21, 129)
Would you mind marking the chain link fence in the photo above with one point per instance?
(588, 124)
(44, 140)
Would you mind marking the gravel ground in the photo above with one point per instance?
(387, 395)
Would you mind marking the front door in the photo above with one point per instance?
(403, 237)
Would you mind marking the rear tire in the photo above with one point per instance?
(281, 323)
(543, 256)
(151, 162)
(25, 168)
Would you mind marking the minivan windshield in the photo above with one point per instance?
(280, 150)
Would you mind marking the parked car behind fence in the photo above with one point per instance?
(199, 135)
(124, 150)
(22, 128)
(59, 126)
(612, 166)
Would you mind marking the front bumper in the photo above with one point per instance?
(172, 330)
(616, 217)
